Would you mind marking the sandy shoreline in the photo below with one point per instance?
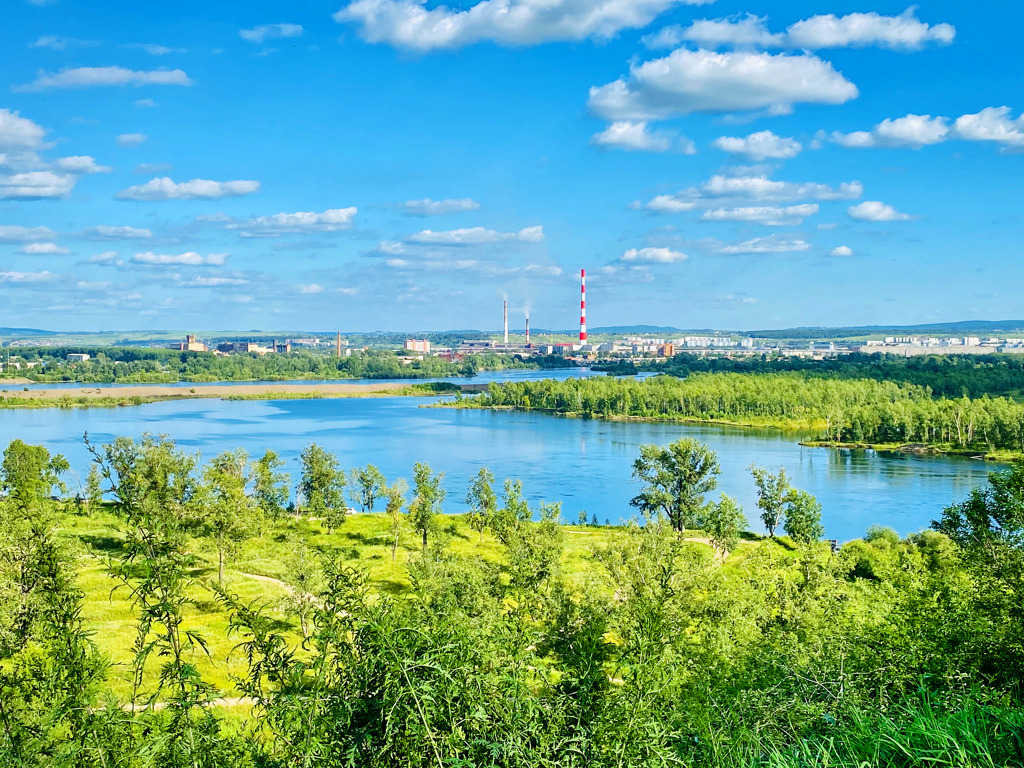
(150, 392)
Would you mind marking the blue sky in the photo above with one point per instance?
(394, 165)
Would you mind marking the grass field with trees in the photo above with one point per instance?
(178, 614)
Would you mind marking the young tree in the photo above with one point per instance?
(427, 498)
(303, 577)
(228, 513)
(514, 511)
(482, 501)
(323, 486)
(675, 481)
(724, 521)
(368, 484)
(803, 518)
(772, 490)
(29, 473)
(270, 484)
(93, 489)
(396, 501)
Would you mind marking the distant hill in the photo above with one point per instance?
(958, 328)
(25, 332)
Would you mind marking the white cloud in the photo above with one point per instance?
(670, 204)
(991, 124)
(213, 282)
(81, 164)
(410, 24)
(476, 236)
(12, 233)
(873, 210)
(131, 139)
(428, 207)
(311, 288)
(44, 249)
(334, 220)
(635, 136)
(26, 277)
(760, 146)
(106, 259)
(913, 131)
(53, 42)
(765, 189)
(36, 185)
(148, 168)
(154, 50)
(688, 81)
(144, 103)
(856, 30)
(17, 132)
(765, 245)
(105, 232)
(190, 259)
(771, 216)
(89, 77)
(270, 31)
(653, 256)
(842, 250)
(197, 189)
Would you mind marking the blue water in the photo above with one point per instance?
(585, 464)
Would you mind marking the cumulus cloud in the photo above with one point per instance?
(26, 277)
(44, 249)
(914, 131)
(476, 236)
(760, 146)
(859, 30)
(106, 259)
(991, 124)
(772, 216)
(105, 232)
(873, 210)
(653, 256)
(842, 250)
(411, 24)
(80, 164)
(190, 259)
(154, 50)
(36, 185)
(89, 77)
(428, 207)
(334, 220)
(752, 188)
(12, 233)
(765, 245)
(311, 288)
(636, 137)
(17, 132)
(213, 282)
(131, 139)
(165, 188)
(270, 31)
(856, 30)
(688, 81)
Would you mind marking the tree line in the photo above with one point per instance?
(894, 652)
(945, 375)
(843, 410)
(130, 365)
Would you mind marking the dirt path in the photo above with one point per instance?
(268, 580)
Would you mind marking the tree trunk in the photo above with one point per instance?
(220, 568)
(424, 540)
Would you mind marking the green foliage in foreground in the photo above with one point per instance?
(851, 410)
(540, 645)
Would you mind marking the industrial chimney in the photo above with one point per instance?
(583, 307)
(506, 322)
(527, 328)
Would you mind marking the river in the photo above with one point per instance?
(585, 464)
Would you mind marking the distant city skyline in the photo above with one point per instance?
(386, 165)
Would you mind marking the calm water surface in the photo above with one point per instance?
(585, 464)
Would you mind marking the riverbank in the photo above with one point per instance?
(98, 397)
(919, 449)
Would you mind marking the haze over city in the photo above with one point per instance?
(386, 165)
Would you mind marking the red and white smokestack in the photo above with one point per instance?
(527, 329)
(506, 322)
(583, 306)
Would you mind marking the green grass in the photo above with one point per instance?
(262, 561)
